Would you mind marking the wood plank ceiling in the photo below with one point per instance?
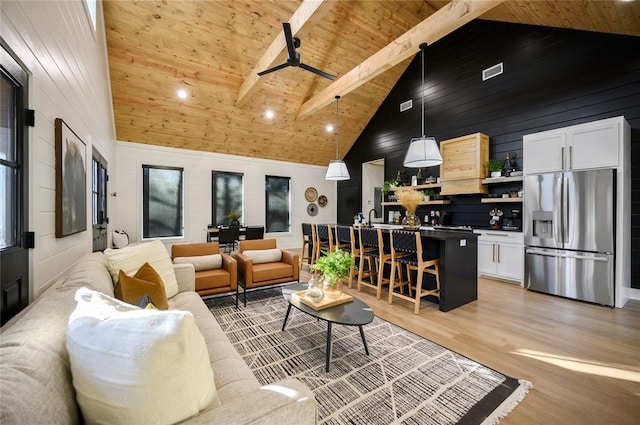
(211, 47)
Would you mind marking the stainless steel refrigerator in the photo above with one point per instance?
(569, 234)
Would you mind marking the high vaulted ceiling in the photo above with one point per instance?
(214, 48)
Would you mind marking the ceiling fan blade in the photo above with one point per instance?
(289, 38)
(317, 71)
(270, 70)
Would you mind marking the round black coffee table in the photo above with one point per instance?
(355, 313)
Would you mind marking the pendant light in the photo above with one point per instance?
(337, 169)
(423, 151)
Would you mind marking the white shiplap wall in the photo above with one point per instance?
(126, 206)
(69, 79)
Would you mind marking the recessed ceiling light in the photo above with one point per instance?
(329, 128)
(269, 114)
(182, 94)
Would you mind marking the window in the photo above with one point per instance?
(162, 202)
(278, 204)
(226, 195)
(98, 188)
(91, 6)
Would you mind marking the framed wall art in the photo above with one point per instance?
(71, 181)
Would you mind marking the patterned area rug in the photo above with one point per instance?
(406, 379)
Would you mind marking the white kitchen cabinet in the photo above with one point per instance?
(501, 255)
(579, 147)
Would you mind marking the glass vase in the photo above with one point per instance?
(333, 291)
(411, 222)
(315, 291)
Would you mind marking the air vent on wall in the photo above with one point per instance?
(493, 71)
(404, 106)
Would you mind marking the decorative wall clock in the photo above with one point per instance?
(311, 194)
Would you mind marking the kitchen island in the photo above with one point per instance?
(458, 253)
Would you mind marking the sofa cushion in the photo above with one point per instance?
(261, 256)
(132, 257)
(160, 372)
(272, 271)
(146, 281)
(201, 262)
(120, 238)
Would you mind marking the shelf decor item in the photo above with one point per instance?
(410, 199)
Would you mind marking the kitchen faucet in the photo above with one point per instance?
(372, 210)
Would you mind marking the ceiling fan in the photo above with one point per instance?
(293, 58)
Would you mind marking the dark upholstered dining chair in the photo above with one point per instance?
(254, 232)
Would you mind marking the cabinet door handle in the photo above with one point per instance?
(571, 157)
(562, 157)
(498, 253)
(493, 253)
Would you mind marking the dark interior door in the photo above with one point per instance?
(14, 256)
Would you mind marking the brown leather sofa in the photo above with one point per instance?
(252, 275)
(214, 281)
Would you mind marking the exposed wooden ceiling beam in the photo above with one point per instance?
(302, 15)
(446, 20)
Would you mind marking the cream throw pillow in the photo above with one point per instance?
(201, 262)
(130, 258)
(136, 366)
(260, 256)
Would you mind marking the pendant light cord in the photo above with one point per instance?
(337, 124)
(423, 46)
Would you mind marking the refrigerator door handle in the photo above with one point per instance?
(557, 215)
(565, 209)
(566, 255)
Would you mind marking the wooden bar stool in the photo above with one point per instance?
(324, 239)
(406, 249)
(308, 252)
(369, 254)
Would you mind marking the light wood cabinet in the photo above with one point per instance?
(464, 164)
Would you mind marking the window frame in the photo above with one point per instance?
(266, 204)
(145, 200)
(214, 199)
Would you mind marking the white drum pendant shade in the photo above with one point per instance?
(423, 152)
(337, 170)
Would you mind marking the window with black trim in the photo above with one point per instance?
(278, 204)
(162, 202)
(227, 195)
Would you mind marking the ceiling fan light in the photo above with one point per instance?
(337, 170)
(423, 152)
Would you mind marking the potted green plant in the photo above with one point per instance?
(387, 185)
(495, 167)
(427, 194)
(234, 216)
(334, 267)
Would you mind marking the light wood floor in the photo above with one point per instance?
(583, 360)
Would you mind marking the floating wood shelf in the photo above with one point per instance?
(437, 202)
(492, 180)
(418, 187)
(497, 200)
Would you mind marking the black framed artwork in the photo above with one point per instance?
(71, 181)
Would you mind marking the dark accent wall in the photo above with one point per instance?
(552, 78)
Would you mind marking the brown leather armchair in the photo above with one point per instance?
(211, 281)
(256, 268)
